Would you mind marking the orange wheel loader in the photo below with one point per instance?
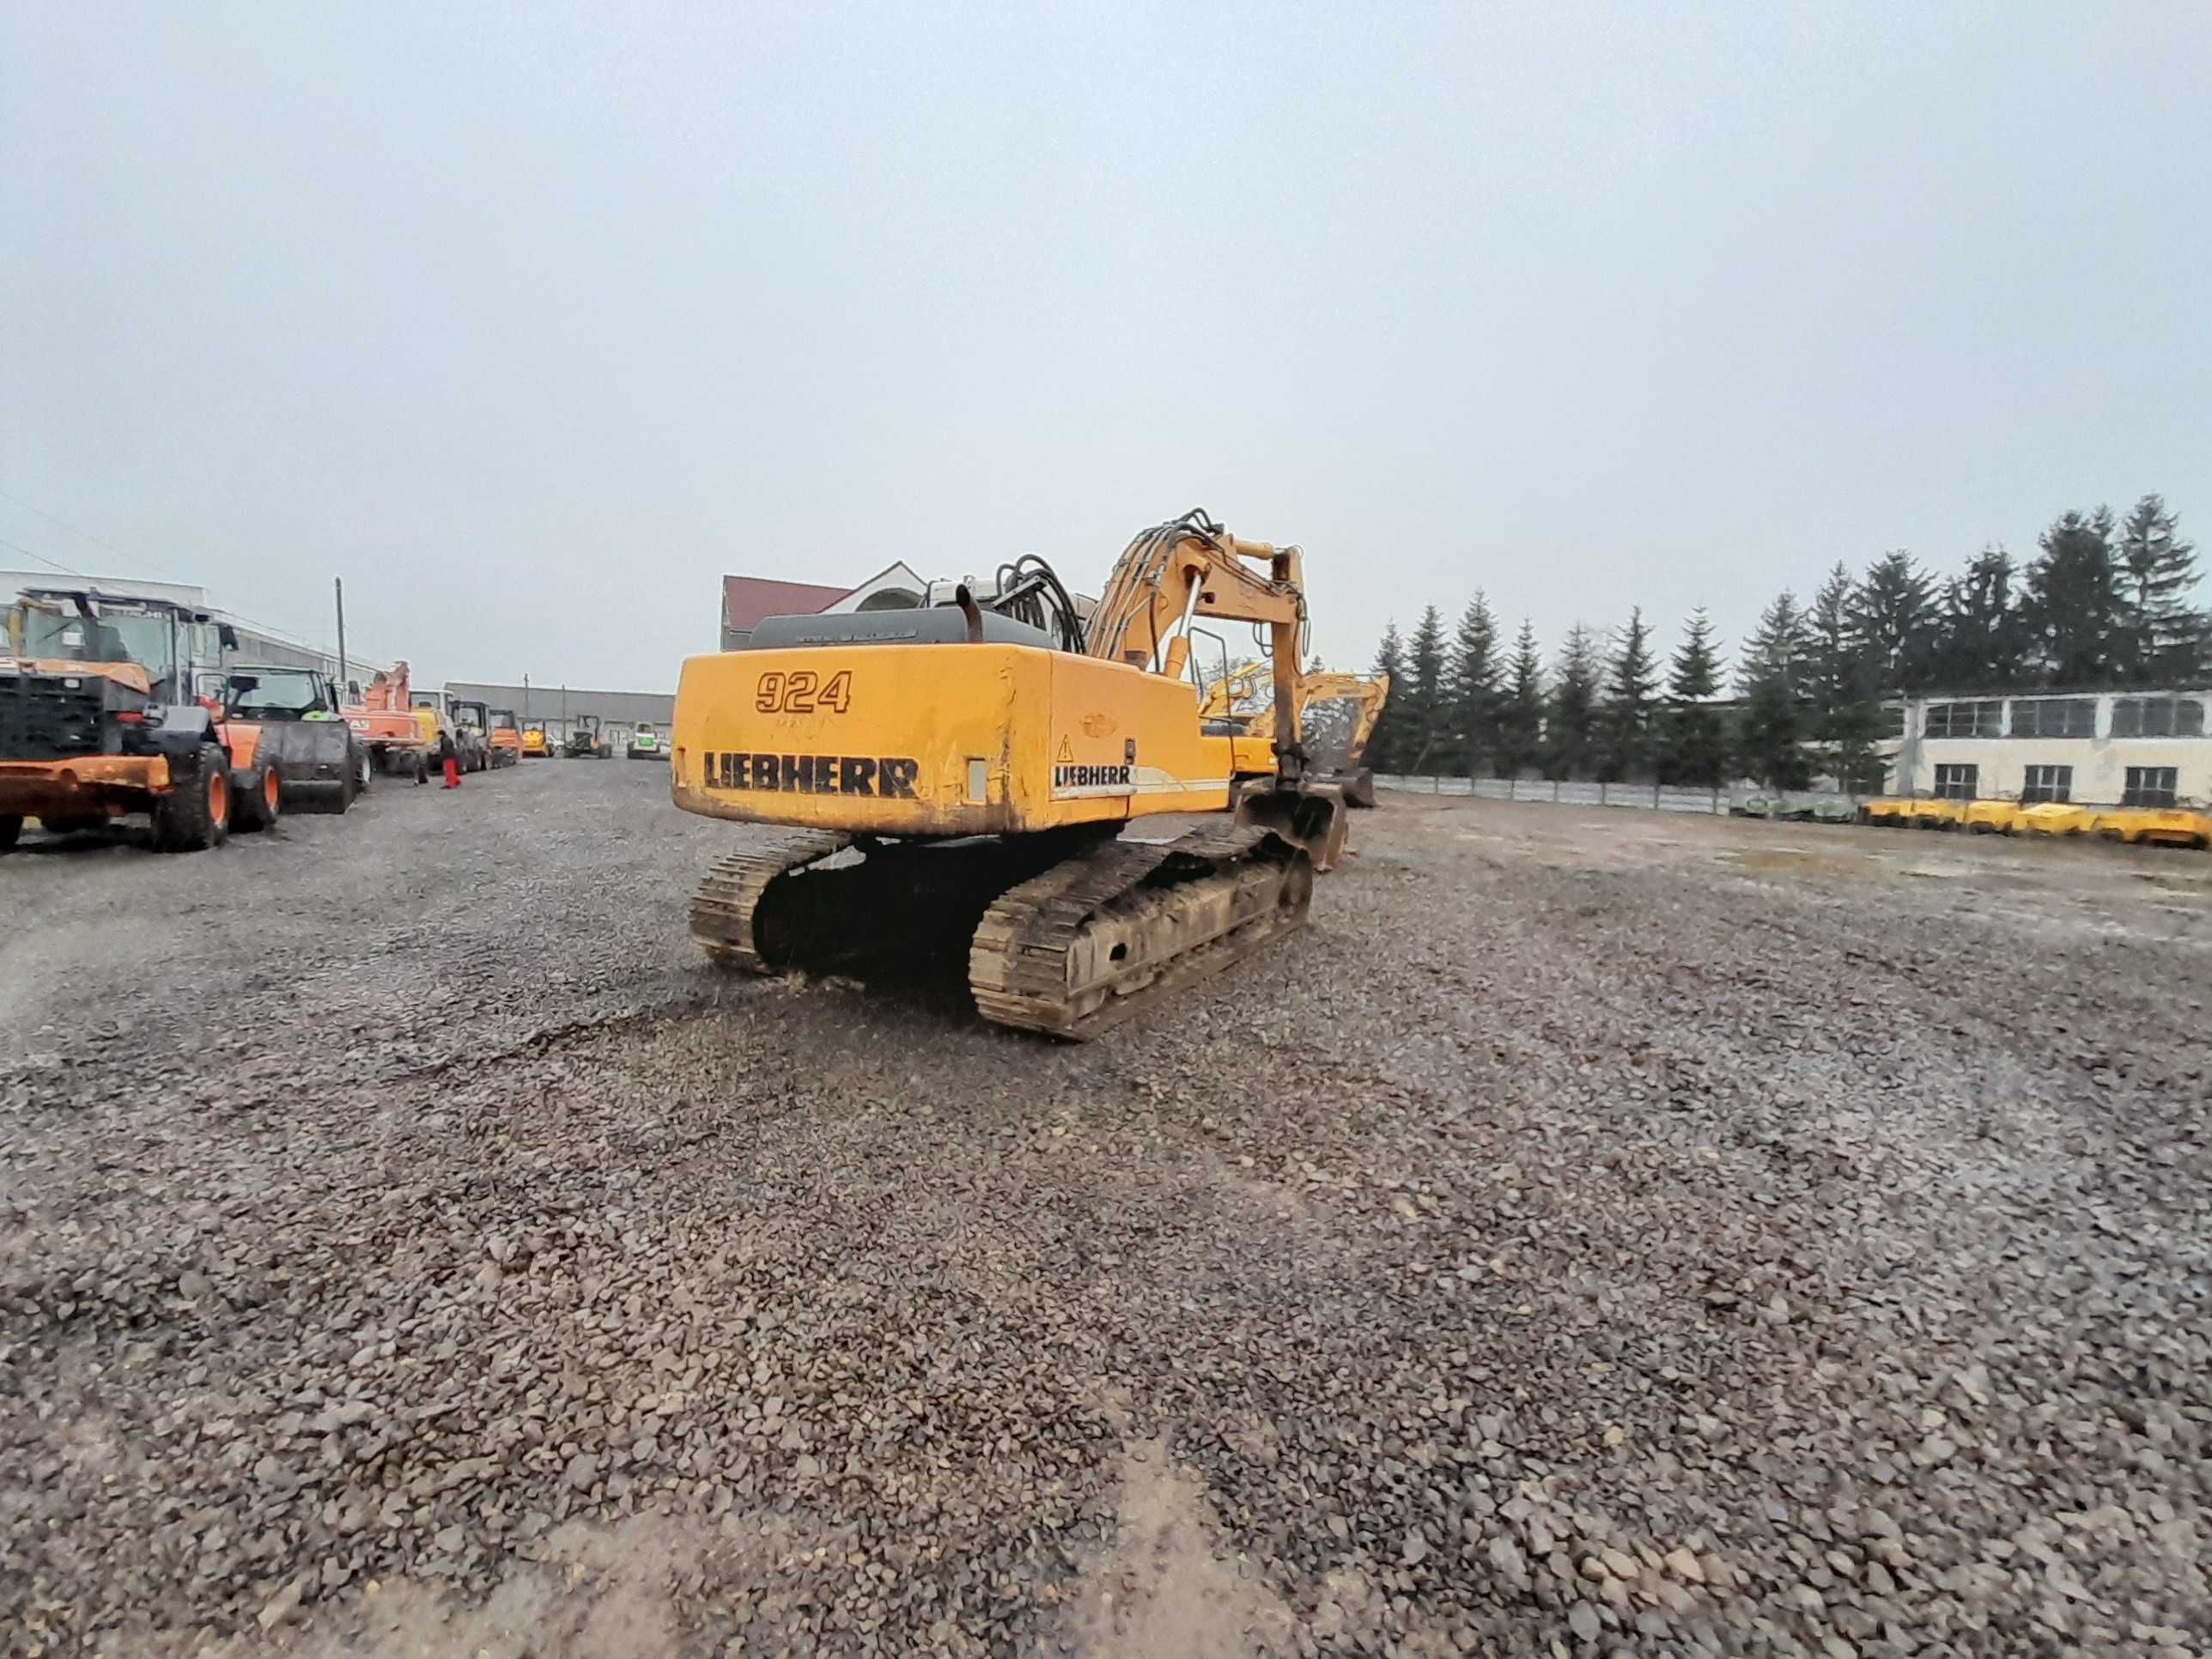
(98, 720)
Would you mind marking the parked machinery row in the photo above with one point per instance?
(2168, 825)
(114, 707)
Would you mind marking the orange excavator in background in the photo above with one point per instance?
(953, 782)
(401, 738)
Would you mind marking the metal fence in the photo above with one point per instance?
(1664, 797)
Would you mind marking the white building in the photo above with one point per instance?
(2136, 748)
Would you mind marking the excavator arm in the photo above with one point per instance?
(1192, 567)
(1362, 695)
(1240, 684)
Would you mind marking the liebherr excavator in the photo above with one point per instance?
(1336, 714)
(956, 779)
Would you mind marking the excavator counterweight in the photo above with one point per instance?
(956, 783)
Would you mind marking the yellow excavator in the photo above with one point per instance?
(955, 780)
(1337, 713)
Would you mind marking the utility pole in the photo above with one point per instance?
(526, 697)
(338, 582)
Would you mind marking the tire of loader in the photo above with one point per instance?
(195, 814)
(11, 826)
(257, 802)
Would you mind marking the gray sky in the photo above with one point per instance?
(530, 322)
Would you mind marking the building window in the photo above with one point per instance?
(1964, 720)
(2048, 783)
(2158, 717)
(1956, 782)
(2054, 717)
(2150, 786)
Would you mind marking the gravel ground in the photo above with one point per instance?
(1601, 1233)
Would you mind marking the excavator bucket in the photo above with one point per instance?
(1308, 816)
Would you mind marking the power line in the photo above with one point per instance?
(56, 564)
(277, 635)
(74, 530)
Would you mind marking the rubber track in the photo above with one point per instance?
(722, 910)
(1017, 964)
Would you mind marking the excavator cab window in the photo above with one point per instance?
(48, 634)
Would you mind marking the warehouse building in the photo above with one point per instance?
(563, 706)
(2135, 748)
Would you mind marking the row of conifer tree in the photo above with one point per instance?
(2105, 603)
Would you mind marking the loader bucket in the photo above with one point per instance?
(1310, 816)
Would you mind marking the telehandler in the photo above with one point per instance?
(982, 760)
(291, 749)
(471, 732)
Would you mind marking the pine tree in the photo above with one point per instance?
(1980, 641)
(1385, 744)
(1571, 722)
(1841, 685)
(1632, 692)
(1894, 617)
(2162, 639)
(1771, 677)
(1520, 710)
(2073, 608)
(1473, 681)
(1425, 707)
(1692, 752)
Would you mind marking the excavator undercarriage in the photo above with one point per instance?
(1069, 933)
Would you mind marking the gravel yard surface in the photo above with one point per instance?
(1601, 1233)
